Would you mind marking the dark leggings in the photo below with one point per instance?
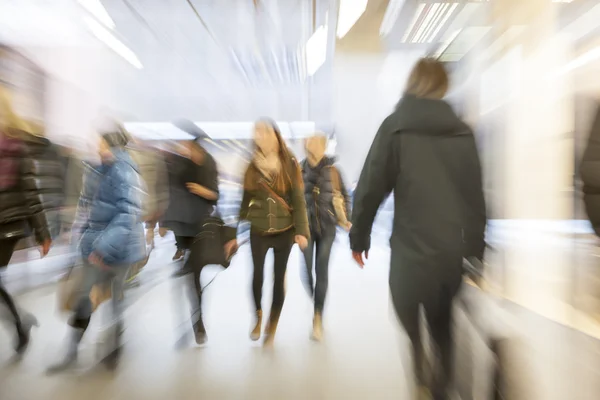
(282, 246)
(7, 248)
(320, 244)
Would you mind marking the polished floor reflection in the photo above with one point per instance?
(363, 355)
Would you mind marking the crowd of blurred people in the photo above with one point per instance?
(108, 209)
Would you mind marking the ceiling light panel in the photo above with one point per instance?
(428, 20)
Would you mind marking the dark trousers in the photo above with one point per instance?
(184, 242)
(281, 244)
(319, 250)
(7, 248)
(439, 317)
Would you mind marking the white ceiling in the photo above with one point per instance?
(234, 62)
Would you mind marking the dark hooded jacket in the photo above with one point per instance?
(319, 190)
(428, 157)
(590, 175)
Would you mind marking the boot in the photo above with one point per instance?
(179, 254)
(28, 321)
(200, 331)
(317, 332)
(112, 358)
(71, 357)
(255, 334)
(271, 330)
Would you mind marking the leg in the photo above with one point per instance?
(440, 323)
(324, 245)
(259, 246)
(117, 284)
(408, 314)
(195, 293)
(306, 273)
(282, 248)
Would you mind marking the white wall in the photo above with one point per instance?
(366, 88)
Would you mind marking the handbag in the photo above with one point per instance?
(339, 201)
(208, 247)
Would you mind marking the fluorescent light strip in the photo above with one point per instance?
(448, 15)
(96, 8)
(115, 44)
(413, 22)
(429, 13)
(447, 43)
(434, 17)
(349, 12)
(438, 18)
(390, 17)
(316, 50)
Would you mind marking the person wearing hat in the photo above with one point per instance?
(112, 238)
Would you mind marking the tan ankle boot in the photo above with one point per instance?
(255, 334)
(317, 333)
(270, 331)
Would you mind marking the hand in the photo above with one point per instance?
(359, 258)
(96, 260)
(162, 232)
(230, 247)
(45, 247)
(195, 188)
(302, 241)
(348, 226)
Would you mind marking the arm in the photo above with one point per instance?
(345, 194)
(208, 188)
(375, 183)
(299, 202)
(162, 186)
(32, 191)
(127, 193)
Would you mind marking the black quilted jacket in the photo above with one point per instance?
(31, 187)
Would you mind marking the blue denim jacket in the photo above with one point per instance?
(113, 194)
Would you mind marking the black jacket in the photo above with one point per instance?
(428, 157)
(186, 211)
(36, 196)
(590, 175)
(318, 192)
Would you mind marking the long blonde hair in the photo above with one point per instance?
(12, 124)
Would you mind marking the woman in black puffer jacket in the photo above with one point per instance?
(30, 186)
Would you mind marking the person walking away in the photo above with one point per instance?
(324, 188)
(112, 239)
(273, 202)
(30, 185)
(428, 157)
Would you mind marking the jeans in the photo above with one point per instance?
(281, 244)
(94, 275)
(320, 244)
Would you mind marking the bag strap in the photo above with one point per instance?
(275, 196)
(335, 179)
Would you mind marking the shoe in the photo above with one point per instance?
(317, 332)
(200, 332)
(24, 333)
(111, 360)
(255, 334)
(270, 331)
(72, 352)
(178, 254)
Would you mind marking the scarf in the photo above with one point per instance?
(269, 165)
